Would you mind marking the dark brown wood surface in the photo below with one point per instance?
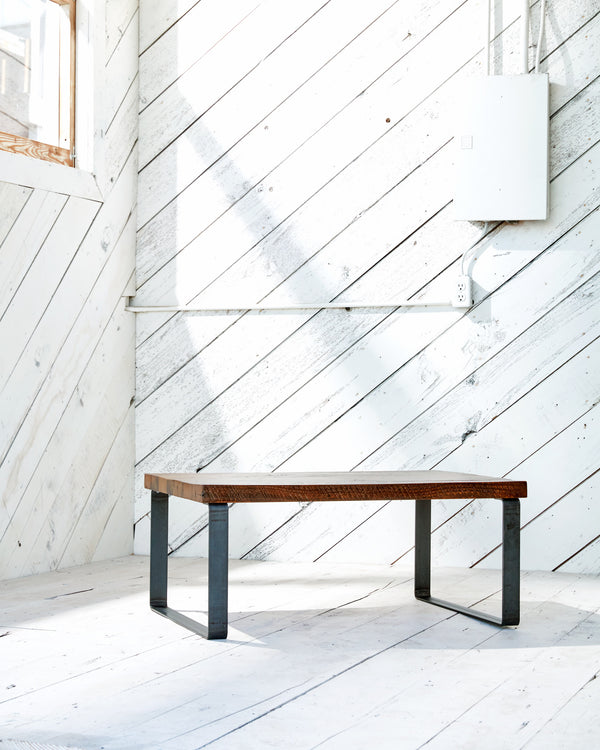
(328, 486)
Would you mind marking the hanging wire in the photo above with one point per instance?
(525, 37)
(538, 50)
(469, 250)
(488, 21)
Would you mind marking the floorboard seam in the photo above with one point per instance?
(321, 683)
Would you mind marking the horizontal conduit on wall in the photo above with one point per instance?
(234, 308)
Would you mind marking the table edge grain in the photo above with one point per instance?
(322, 487)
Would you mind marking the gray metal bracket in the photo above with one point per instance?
(218, 544)
(510, 564)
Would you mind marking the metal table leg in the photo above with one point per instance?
(510, 563)
(218, 543)
(217, 568)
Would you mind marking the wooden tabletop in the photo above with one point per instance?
(338, 485)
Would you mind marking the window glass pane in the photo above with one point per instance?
(34, 44)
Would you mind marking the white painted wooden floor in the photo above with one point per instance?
(319, 655)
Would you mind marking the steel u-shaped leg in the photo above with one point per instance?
(510, 564)
(218, 535)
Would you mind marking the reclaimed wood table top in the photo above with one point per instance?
(338, 485)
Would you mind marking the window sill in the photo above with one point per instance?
(36, 173)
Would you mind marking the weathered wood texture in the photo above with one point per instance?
(286, 487)
(315, 163)
(67, 364)
(339, 657)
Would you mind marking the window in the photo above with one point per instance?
(37, 78)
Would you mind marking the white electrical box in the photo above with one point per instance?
(502, 149)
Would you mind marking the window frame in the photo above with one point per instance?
(27, 146)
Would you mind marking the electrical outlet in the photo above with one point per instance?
(463, 293)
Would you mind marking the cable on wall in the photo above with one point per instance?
(525, 37)
(488, 21)
(469, 250)
(298, 306)
(538, 50)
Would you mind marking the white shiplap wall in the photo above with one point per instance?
(67, 364)
(292, 152)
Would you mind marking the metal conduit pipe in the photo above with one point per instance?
(525, 37)
(488, 21)
(284, 307)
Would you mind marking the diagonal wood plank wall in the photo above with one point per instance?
(292, 152)
(67, 362)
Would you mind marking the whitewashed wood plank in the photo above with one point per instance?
(48, 343)
(184, 344)
(376, 173)
(586, 561)
(91, 412)
(183, 394)
(301, 596)
(473, 720)
(577, 517)
(325, 278)
(82, 398)
(216, 72)
(413, 700)
(117, 532)
(120, 71)
(94, 421)
(210, 372)
(468, 344)
(168, 451)
(493, 265)
(507, 374)
(348, 256)
(280, 111)
(186, 42)
(500, 439)
(527, 700)
(175, 365)
(329, 149)
(105, 528)
(575, 127)
(258, 442)
(533, 418)
(545, 487)
(270, 203)
(518, 368)
(212, 427)
(12, 198)
(569, 74)
(122, 134)
(53, 519)
(43, 596)
(323, 628)
(24, 240)
(399, 274)
(574, 724)
(187, 734)
(157, 16)
(97, 625)
(22, 317)
(427, 669)
(313, 405)
(117, 17)
(290, 121)
(141, 521)
(35, 173)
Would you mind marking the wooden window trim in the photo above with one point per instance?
(27, 146)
